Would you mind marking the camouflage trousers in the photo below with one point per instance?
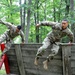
(46, 43)
(8, 43)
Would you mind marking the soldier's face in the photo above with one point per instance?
(64, 24)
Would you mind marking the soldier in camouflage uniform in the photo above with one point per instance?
(53, 38)
(9, 35)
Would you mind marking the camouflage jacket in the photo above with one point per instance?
(11, 33)
(57, 32)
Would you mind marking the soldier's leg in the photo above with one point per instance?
(2, 38)
(45, 45)
(54, 51)
(7, 47)
(5, 50)
(41, 50)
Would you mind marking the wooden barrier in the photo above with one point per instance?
(68, 56)
(21, 60)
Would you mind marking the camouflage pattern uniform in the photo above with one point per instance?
(54, 37)
(9, 35)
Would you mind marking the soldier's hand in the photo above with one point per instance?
(37, 25)
(69, 43)
(23, 43)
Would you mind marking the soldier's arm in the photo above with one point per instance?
(47, 23)
(22, 36)
(54, 25)
(9, 25)
(71, 36)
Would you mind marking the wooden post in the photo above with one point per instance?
(66, 56)
(19, 59)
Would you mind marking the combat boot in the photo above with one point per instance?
(45, 64)
(36, 61)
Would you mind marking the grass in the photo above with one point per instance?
(2, 72)
(0, 52)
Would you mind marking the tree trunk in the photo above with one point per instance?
(45, 11)
(72, 17)
(54, 11)
(9, 5)
(36, 19)
(67, 8)
(24, 16)
(28, 22)
(11, 13)
(72, 8)
(37, 28)
(59, 11)
(20, 12)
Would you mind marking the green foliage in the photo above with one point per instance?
(2, 29)
(11, 13)
(2, 72)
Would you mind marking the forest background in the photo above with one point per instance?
(30, 12)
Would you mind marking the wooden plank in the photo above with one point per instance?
(73, 64)
(14, 70)
(67, 44)
(11, 52)
(28, 59)
(66, 56)
(31, 45)
(53, 62)
(73, 71)
(51, 67)
(33, 51)
(39, 72)
(13, 63)
(12, 57)
(19, 59)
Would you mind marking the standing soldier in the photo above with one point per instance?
(9, 35)
(53, 38)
